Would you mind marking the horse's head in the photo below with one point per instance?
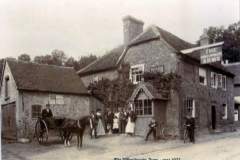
(84, 120)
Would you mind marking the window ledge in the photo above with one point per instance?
(7, 98)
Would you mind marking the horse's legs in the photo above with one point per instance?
(78, 140)
(81, 136)
(68, 139)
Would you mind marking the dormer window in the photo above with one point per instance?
(136, 73)
(6, 87)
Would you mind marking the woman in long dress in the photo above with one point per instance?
(100, 128)
(131, 123)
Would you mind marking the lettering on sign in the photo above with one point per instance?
(211, 55)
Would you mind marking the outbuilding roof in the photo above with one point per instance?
(46, 78)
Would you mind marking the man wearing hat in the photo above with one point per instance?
(47, 115)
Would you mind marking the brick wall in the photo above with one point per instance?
(151, 54)
(205, 96)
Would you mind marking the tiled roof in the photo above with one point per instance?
(176, 42)
(108, 61)
(150, 91)
(46, 78)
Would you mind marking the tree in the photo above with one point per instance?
(24, 57)
(231, 38)
(58, 57)
(71, 62)
(47, 59)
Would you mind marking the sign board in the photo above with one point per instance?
(211, 55)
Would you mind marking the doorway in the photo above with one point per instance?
(213, 117)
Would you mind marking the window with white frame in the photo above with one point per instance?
(225, 111)
(202, 76)
(143, 107)
(136, 73)
(56, 99)
(157, 69)
(190, 107)
(218, 81)
(213, 80)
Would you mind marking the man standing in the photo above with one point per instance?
(192, 130)
(190, 124)
(152, 129)
(122, 121)
(93, 125)
(109, 120)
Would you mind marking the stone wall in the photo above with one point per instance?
(74, 107)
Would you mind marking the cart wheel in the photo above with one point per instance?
(41, 131)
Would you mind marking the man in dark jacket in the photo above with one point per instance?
(47, 116)
(122, 121)
(93, 125)
(190, 124)
(152, 129)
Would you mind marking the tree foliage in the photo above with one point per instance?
(59, 58)
(231, 38)
(114, 93)
(24, 57)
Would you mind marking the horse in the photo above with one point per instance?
(77, 127)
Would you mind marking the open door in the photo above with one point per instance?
(213, 117)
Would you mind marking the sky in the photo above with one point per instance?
(83, 27)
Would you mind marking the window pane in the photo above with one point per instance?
(36, 111)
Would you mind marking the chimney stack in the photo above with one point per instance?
(204, 39)
(132, 27)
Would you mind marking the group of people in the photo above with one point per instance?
(121, 121)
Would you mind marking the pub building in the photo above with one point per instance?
(205, 91)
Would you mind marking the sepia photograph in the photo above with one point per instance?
(120, 79)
